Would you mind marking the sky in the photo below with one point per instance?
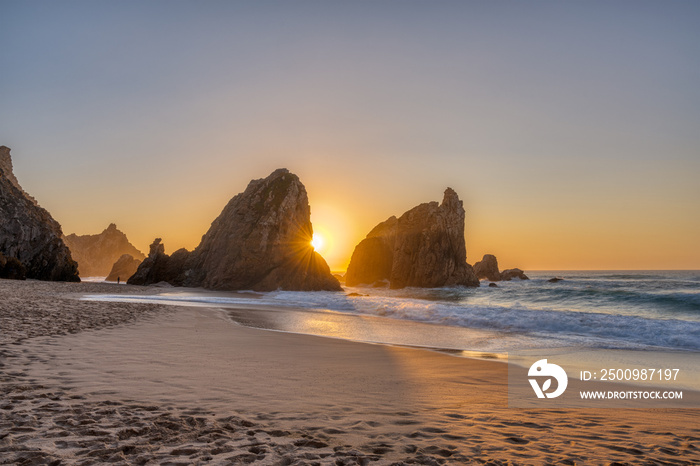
(571, 130)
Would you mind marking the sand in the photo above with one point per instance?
(89, 382)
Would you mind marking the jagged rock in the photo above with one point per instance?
(160, 267)
(487, 268)
(28, 233)
(510, 274)
(422, 248)
(260, 241)
(6, 168)
(123, 269)
(96, 254)
(153, 267)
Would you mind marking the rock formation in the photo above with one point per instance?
(373, 259)
(96, 254)
(487, 268)
(260, 241)
(510, 274)
(160, 267)
(423, 248)
(124, 268)
(28, 233)
(6, 168)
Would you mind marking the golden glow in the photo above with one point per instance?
(612, 228)
(338, 234)
(317, 243)
(564, 171)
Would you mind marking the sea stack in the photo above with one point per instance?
(260, 241)
(124, 268)
(30, 239)
(96, 254)
(487, 268)
(424, 247)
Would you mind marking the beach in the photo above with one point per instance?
(136, 383)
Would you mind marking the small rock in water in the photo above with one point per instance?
(488, 268)
(555, 280)
(493, 285)
(509, 274)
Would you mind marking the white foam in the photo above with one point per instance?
(574, 328)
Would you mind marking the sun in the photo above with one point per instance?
(317, 242)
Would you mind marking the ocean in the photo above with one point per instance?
(630, 310)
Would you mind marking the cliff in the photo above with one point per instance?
(96, 254)
(424, 247)
(28, 233)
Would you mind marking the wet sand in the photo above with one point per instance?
(131, 383)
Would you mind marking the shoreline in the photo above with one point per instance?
(455, 341)
(185, 384)
(587, 312)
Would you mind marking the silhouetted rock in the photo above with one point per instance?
(160, 267)
(510, 274)
(493, 285)
(96, 254)
(422, 248)
(555, 280)
(260, 241)
(123, 269)
(28, 233)
(6, 169)
(373, 259)
(487, 268)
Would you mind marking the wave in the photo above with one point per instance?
(596, 329)
(469, 308)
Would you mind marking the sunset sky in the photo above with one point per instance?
(571, 130)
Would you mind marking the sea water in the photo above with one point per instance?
(637, 310)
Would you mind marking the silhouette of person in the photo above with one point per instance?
(119, 279)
